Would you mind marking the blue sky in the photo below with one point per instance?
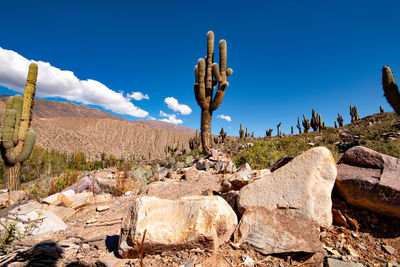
(287, 56)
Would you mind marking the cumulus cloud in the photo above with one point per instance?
(170, 118)
(224, 117)
(137, 96)
(173, 104)
(54, 82)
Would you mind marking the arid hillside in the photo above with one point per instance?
(68, 127)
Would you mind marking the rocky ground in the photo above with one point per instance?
(92, 219)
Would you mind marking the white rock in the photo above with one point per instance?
(302, 188)
(190, 222)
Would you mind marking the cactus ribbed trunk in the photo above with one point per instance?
(206, 116)
(11, 176)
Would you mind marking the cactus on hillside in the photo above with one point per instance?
(340, 120)
(252, 134)
(390, 88)
(268, 132)
(194, 143)
(314, 123)
(291, 130)
(298, 125)
(335, 124)
(278, 126)
(241, 132)
(306, 124)
(247, 133)
(17, 140)
(354, 113)
(319, 123)
(207, 75)
(381, 109)
(222, 135)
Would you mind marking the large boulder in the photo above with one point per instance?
(270, 232)
(191, 222)
(370, 180)
(302, 188)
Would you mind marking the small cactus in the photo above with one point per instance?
(291, 130)
(381, 109)
(335, 124)
(354, 113)
(306, 124)
(268, 132)
(279, 132)
(340, 120)
(241, 132)
(298, 125)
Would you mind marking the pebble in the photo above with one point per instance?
(103, 208)
(361, 246)
(388, 249)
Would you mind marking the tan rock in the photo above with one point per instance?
(270, 232)
(13, 196)
(191, 173)
(102, 208)
(302, 188)
(190, 222)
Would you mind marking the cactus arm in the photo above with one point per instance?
(219, 96)
(28, 146)
(201, 66)
(8, 129)
(17, 106)
(390, 88)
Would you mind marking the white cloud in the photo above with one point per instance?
(137, 96)
(53, 82)
(170, 118)
(173, 104)
(224, 117)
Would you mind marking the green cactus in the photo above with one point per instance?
(207, 75)
(306, 124)
(313, 122)
(354, 113)
(319, 122)
(222, 135)
(247, 133)
(252, 134)
(340, 120)
(268, 132)
(291, 130)
(298, 125)
(390, 88)
(241, 132)
(381, 109)
(335, 125)
(17, 140)
(194, 143)
(278, 126)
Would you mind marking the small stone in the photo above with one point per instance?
(351, 251)
(248, 262)
(337, 263)
(361, 246)
(388, 249)
(93, 220)
(103, 208)
(354, 234)
(322, 234)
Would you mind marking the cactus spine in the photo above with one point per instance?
(306, 124)
(390, 88)
(208, 74)
(17, 140)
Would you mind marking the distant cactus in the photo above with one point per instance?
(306, 124)
(268, 132)
(354, 113)
(252, 134)
(222, 135)
(390, 88)
(314, 123)
(298, 125)
(381, 109)
(208, 74)
(319, 123)
(194, 143)
(247, 133)
(340, 120)
(277, 127)
(17, 140)
(335, 124)
(241, 132)
(291, 130)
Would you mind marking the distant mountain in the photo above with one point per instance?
(68, 127)
(165, 125)
(54, 109)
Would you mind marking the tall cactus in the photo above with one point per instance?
(208, 74)
(278, 129)
(17, 140)
(314, 123)
(390, 88)
(354, 113)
